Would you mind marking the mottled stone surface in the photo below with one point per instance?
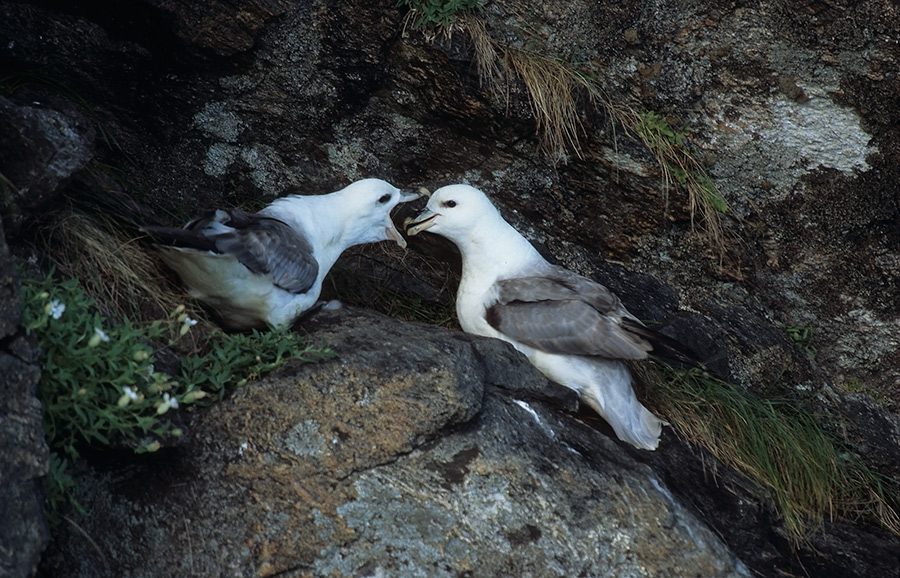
(44, 144)
(23, 452)
(790, 107)
(404, 456)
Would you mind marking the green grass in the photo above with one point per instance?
(802, 337)
(809, 474)
(672, 148)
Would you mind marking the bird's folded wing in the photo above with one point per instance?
(270, 247)
(566, 314)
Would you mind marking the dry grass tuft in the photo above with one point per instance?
(113, 268)
(551, 88)
(487, 61)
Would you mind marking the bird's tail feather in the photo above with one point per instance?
(615, 401)
(664, 346)
(179, 237)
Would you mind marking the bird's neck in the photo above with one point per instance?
(328, 221)
(496, 252)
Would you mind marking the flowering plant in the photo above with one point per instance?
(99, 385)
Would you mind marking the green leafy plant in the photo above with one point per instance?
(439, 14)
(658, 133)
(802, 338)
(98, 383)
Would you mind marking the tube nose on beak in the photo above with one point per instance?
(420, 222)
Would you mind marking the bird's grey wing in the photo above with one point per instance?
(559, 314)
(270, 247)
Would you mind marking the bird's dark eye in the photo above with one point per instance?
(450, 204)
(384, 198)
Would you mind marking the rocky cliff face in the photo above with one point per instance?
(406, 457)
(789, 107)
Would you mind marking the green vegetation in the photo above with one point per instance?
(439, 14)
(808, 473)
(802, 338)
(671, 147)
(553, 87)
(99, 386)
(852, 385)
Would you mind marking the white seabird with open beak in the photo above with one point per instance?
(267, 268)
(574, 330)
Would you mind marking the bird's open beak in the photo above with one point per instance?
(394, 235)
(406, 196)
(420, 222)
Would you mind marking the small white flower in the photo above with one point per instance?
(171, 401)
(56, 309)
(187, 323)
(98, 336)
(127, 397)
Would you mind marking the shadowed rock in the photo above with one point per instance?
(23, 533)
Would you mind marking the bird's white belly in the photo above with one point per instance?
(577, 372)
(470, 309)
(240, 296)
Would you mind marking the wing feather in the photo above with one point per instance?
(263, 244)
(565, 313)
(268, 246)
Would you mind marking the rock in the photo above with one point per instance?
(44, 144)
(404, 456)
(24, 532)
(223, 28)
(790, 109)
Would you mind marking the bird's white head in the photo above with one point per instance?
(454, 212)
(372, 201)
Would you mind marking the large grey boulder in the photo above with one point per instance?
(417, 452)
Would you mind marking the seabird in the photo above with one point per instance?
(574, 330)
(267, 268)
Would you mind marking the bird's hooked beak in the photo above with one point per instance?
(419, 223)
(405, 197)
